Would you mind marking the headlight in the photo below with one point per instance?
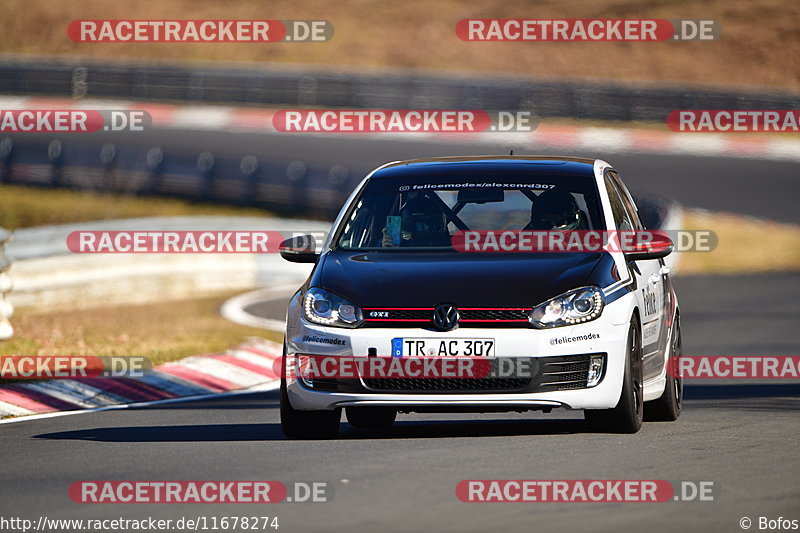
(573, 307)
(323, 307)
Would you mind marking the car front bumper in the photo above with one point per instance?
(606, 335)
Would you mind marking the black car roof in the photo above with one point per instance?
(481, 165)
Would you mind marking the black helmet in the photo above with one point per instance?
(555, 210)
(423, 223)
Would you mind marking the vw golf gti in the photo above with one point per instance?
(590, 329)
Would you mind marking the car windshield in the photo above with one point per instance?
(420, 214)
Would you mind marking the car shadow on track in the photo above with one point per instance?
(272, 431)
(433, 429)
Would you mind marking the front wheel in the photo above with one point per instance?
(627, 416)
(305, 424)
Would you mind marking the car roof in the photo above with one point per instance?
(509, 165)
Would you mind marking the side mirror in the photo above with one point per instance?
(658, 246)
(301, 249)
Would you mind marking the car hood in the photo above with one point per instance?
(397, 279)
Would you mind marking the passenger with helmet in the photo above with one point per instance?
(556, 211)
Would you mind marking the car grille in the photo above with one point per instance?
(424, 385)
(469, 317)
(564, 373)
(488, 315)
(322, 384)
(567, 372)
(547, 374)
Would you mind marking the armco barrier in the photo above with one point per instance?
(406, 90)
(280, 184)
(6, 309)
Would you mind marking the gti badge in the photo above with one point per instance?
(445, 317)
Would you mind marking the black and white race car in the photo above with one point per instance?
(596, 328)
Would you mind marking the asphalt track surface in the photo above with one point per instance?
(740, 435)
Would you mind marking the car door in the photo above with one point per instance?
(651, 289)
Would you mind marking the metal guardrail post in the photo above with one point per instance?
(54, 157)
(154, 161)
(205, 167)
(6, 309)
(6, 151)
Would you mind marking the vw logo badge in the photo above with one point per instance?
(445, 317)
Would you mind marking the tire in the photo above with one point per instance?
(370, 417)
(627, 416)
(667, 408)
(306, 424)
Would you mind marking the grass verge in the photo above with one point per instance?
(746, 245)
(22, 207)
(163, 332)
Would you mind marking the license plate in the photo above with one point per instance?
(402, 347)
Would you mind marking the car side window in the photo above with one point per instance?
(622, 218)
(627, 201)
